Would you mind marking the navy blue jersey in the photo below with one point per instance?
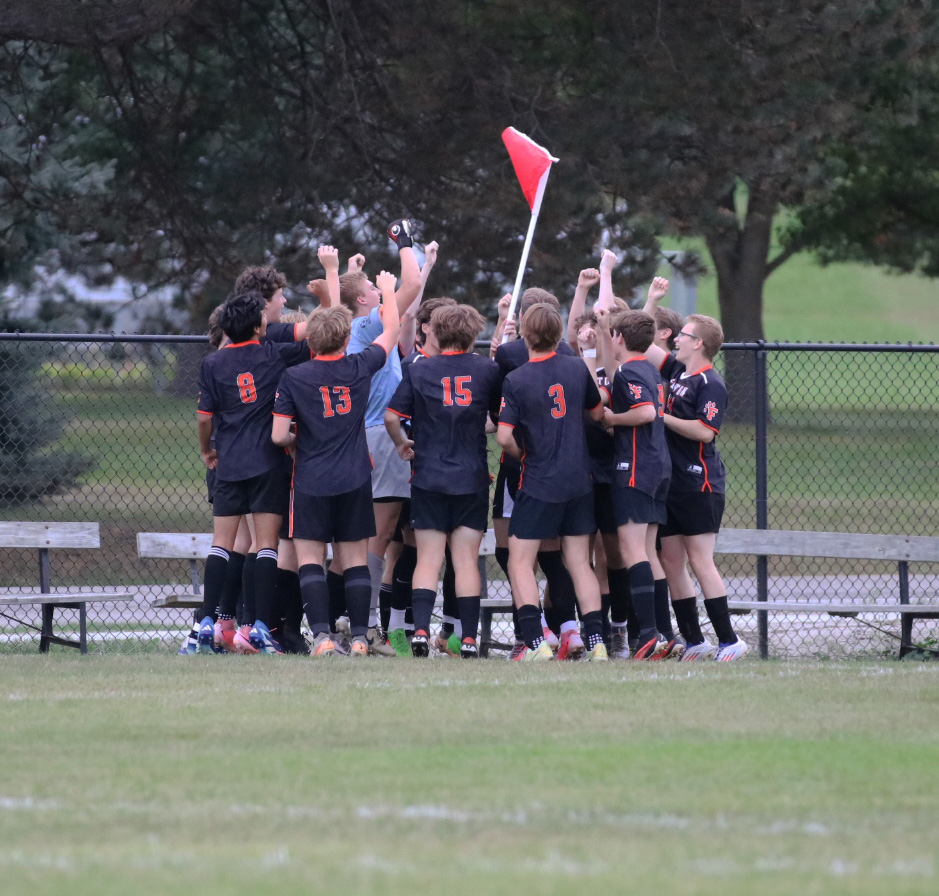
(544, 401)
(447, 399)
(600, 440)
(409, 359)
(641, 452)
(328, 397)
(236, 388)
(697, 466)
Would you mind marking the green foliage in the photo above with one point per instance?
(30, 425)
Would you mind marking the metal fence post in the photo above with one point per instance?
(761, 427)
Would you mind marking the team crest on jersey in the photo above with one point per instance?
(635, 391)
(711, 410)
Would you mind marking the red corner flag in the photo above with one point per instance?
(531, 163)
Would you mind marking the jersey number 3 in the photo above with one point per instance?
(246, 388)
(557, 394)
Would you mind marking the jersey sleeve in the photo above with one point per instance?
(508, 409)
(292, 353)
(402, 402)
(374, 358)
(207, 403)
(710, 404)
(283, 399)
(279, 332)
(629, 393)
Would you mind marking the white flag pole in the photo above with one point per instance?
(536, 208)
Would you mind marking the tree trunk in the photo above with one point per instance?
(740, 254)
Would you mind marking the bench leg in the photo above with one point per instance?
(82, 628)
(45, 633)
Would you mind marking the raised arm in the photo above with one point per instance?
(391, 323)
(501, 324)
(400, 234)
(605, 354)
(589, 277)
(329, 259)
(408, 318)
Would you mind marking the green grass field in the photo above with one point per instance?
(213, 775)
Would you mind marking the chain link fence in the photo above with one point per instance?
(818, 437)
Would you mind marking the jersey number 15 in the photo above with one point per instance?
(458, 392)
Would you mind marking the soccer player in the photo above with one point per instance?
(641, 462)
(541, 423)
(391, 474)
(331, 500)
(560, 589)
(236, 393)
(447, 399)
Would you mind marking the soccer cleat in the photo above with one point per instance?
(445, 643)
(598, 653)
(342, 644)
(619, 646)
(262, 641)
(358, 647)
(206, 639)
(518, 649)
(675, 647)
(378, 642)
(225, 635)
(727, 653)
(651, 647)
(398, 640)
(419, 645)
(188, 647)
(542, 653)
(571, 646)
(323, 645)
(551, 639)
(703, 651)
(469, 650)
(400, 233)
(240, 643)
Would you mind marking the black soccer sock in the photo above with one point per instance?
(231, 591)
(422, 605)
(337, 597)
(384, 603)
(529, 621)
(563, 598)
(619, 595)
(593, 628)
(213, 583)
(551, 617)
(265, 584)
(605, 614)
(502, 558)
(289, 598)
(686, 615)
(315, 597)
(469, 616)
(663, 616)
(719, 614)
(358, 589)
(517, 625)
(642, 591)
(248, 612)
(401, 579)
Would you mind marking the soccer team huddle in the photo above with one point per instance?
(348, 466)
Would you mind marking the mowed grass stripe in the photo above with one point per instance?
(234, 774)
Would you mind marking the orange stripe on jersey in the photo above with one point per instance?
(632, 476)
(402, 416)
(204, 413)
(707, 482)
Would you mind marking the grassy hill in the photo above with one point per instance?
(805, 302)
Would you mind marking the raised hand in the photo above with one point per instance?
(329, 258)
(657, 288)
(355, 263)
(589, 277)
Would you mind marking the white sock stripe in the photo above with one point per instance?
(215, 551)
(267, 554)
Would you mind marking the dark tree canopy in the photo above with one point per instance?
(251, 130)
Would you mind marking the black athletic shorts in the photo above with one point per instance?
(210, 484)
(630, 505)
(507, 479)
(345, 517)
(403, 517)
(603, 508)
(693, 513)
(532, 518)
(267, 493)
(444, 513)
